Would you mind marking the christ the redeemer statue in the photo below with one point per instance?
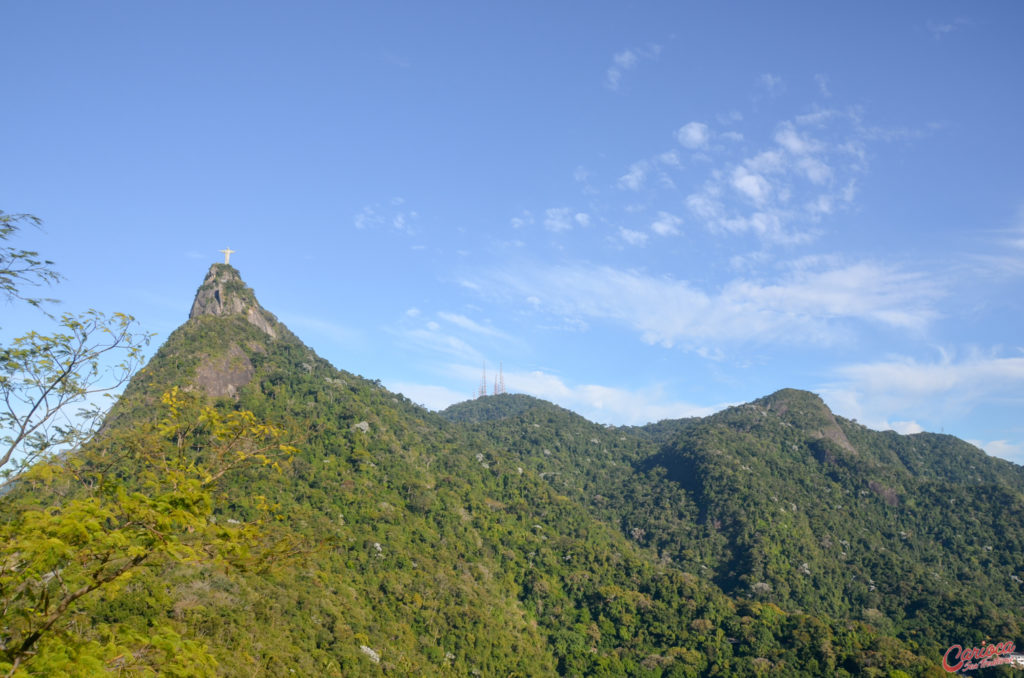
(227, 254)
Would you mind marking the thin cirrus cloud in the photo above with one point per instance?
(1003, 449)
(946, 388)
(442, 337)
(465, 323)
(431, 396)
(432, 339)
(605, 404)
(1008, 260)
(910, 378)
(805, 306)
(596, 402)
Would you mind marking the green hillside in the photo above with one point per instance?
(507, 536)
(779, 501)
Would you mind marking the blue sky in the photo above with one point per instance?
(641, 210)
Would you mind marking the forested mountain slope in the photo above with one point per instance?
(508, 536)
(780, 501)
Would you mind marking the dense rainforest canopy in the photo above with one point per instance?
(306, 521)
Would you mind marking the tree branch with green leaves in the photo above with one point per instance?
(140, 497)
(49, 384)
(51, 381)
(19, 267)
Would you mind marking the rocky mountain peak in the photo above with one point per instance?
(808, 411)
(223, 293)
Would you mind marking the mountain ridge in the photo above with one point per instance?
(701, 546)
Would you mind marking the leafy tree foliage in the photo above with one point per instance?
(85, 522)
(49, 382)
(19, 267)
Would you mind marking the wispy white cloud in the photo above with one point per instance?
(599, 403)
(658, 167)
(905, 427)
(729, 118)
(633, 237)
(337, 333)
(781, 192)
(558, 219)
(627, 60)
(1005, 255)
(706, 204)
(940, 29)
(670, 158)
(606, 404)
(524, 219)
(376, 216)
(807, 305)
(819, 117)
(431, 396)
(753, 186)
(748, 261)
(770, 83)
(822, 82)
(621, 62)
(874, 392)
(815, 170)
(1003, 449)
(465, 323)
(581, 175)
(367, 217)
(910, 377)
(430, 338)
(666, 224)
(693, 135)
(766, 162)
(634, 178)
(796, 142)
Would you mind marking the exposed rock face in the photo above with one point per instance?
(809, 411)
(223, 375)
(223, 293)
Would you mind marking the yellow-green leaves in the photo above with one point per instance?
(86, 521)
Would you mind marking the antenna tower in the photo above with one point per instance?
(483, 382)
(499, 381)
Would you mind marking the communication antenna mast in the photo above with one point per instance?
(499, 381)
(483, 382)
